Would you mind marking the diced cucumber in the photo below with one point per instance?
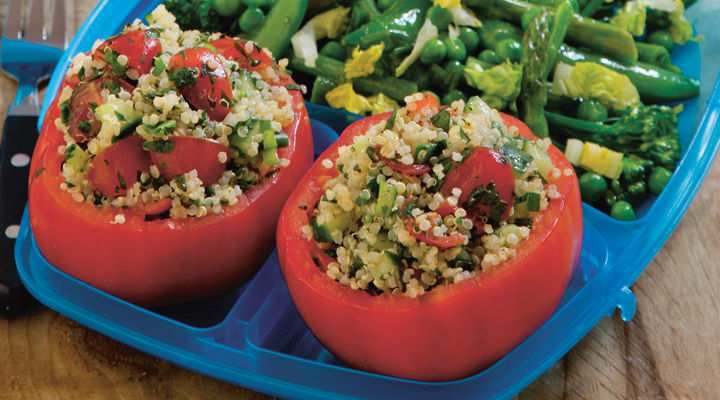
(270, 157)
(76, 157)
(541, 157)
(323, 230)
(528, 202)
(245, 83)
(382, 242)
(389, 262)
(386, 199)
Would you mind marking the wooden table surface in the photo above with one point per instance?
(669, 350)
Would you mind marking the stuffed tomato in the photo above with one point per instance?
(164, 162)
(428, 242)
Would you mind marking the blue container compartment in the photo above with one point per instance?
(254, 336)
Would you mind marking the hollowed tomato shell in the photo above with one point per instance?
(158, 262)
(452, 331)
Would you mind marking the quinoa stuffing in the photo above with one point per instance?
(430, 197)
(167, 121)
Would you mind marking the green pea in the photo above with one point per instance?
(636, 192)
(489, 56)
(452, 96)
(256, 3)
(385, 4)
(593, 111)
(334, 50)
(509, 49)
(609, 198)
(662, 38)
(454, 67)
(615, 186)
(433, 52)
(623, 211)
(592, 187)
(528, 16)
(226, 8)
(440, 17)
(455, 49)
(251, 19)
(470, 39)
(659, 178)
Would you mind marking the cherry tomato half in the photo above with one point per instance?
(479, 170)
(188, 153)
(452, 331)
(85, 97)
(209, 89)
(139, 46)
(117, 167)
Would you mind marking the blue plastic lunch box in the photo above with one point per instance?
(254, 336)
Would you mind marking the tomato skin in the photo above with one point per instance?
(479, 168)
(192, 153)
(450, 332)
(125, 159)
(412, 169)
(138, 46)
(162, 261)
(212, 91)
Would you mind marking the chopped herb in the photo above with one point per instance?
(441, 120)
(302, 207)
(391, 120)
(81, 73)
(159, 146)
(293, 86)
(84, 126)
(111, 57)
(158, 66)
(183, 76)
(121, 181)
(519, 159)
(180, 181)
(161, 129)
(39, 171)
(112, 86)
(65, 111)
(120, 116)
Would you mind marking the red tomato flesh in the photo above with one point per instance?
(139, 47)
(255, 60)
(210, 90)
(480, 168)
(117, 167)
(190, 153)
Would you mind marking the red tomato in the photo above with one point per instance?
(480, 168)
(442, 243)
(117, 167)
(428, 101)
(85, 97)
(452, 331)
(255, 60)
(210, 89)
(155, 208)
(190, 153)
(412, 169)
(138, 46)
(151, 261)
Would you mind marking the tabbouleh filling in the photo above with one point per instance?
(155, 110)
(362, 219)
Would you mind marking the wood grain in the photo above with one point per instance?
(670, 350)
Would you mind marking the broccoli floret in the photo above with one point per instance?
(200, 15)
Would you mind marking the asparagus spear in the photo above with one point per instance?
(598, 36)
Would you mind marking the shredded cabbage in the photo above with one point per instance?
(362, 62)
(631, 17)
(380, 103)
(462, 16)
(329, 24)
(499, 84)
(427, 32)
(589, 80)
